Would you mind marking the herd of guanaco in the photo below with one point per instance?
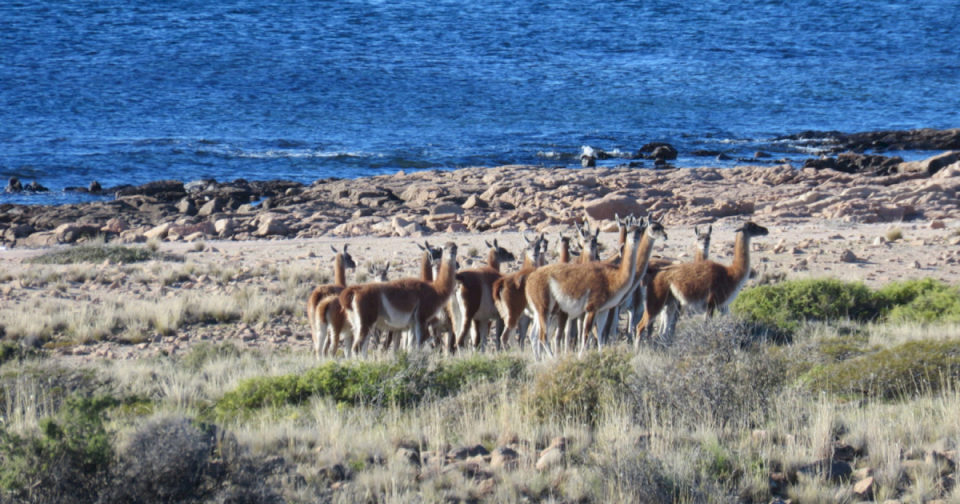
(560, 306)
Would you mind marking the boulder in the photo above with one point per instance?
(186, 207)
(446, 208)
(13, 186)
(224, 227)
(272, 226)
(37, 240)
(115, 225)
(930, 165)
(607, 207)
(18, 231)
(848, 256)
(159, 231)
(70, 233)
(211, 207)
(658, 150)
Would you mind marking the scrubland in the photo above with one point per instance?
(810, 391)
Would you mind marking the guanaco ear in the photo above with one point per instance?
(710, 229)
(420, 246)
(525, 238)
(345, 245)
(696, 231)
(597, 232)
(334, 249)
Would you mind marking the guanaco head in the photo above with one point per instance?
(503, 255)
(435, 252)
(750, 229)
(654, 228)
(379, 271)
(533, 250)
(589, 245)
(345, 257)
(450, 254)
(703, 240)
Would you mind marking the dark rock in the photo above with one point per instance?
(664, 153)
(35, 187)
(163, 190)
(467, 452)
(94, 187)
(761, 154)
(19, 231)
(850, 162)
(658, 150)
(723, 157)
(705, 153)
(13, 185)
(831, 469)
(919, 139)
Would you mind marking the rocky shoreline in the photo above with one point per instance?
(850, 188)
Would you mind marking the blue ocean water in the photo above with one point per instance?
(126, 92)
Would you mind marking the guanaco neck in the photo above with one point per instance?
(564, 251)
(446, 279)
(623, 236)
(493, 259)
(627, 270)
(528, 262)
(426, 269)
(339, 271)
(741, 257)
(644, 251)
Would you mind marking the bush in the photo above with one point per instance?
(901, 371)
(923, 301)
(719, 376)
(166, 460)
(98, 252)
(786, 305)
(68, 461)
(10, 351)
(574, 389)
(405, 381)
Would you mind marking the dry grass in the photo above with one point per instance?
(713, 416)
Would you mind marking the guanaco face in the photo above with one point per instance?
(345, 260)
(497, 255)
(430, 261)
(703, 242)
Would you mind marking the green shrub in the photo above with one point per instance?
(98, 252)
(11, 350)
(68, 460)
(901, 371)
(786, 305)
(405, 381)
(574, 389)
(923, 301)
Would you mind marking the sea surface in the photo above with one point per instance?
(126, 92)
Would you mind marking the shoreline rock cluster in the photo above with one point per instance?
(506, 198)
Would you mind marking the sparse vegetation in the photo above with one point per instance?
(98, 252)
(894, 234)
(730, 410)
